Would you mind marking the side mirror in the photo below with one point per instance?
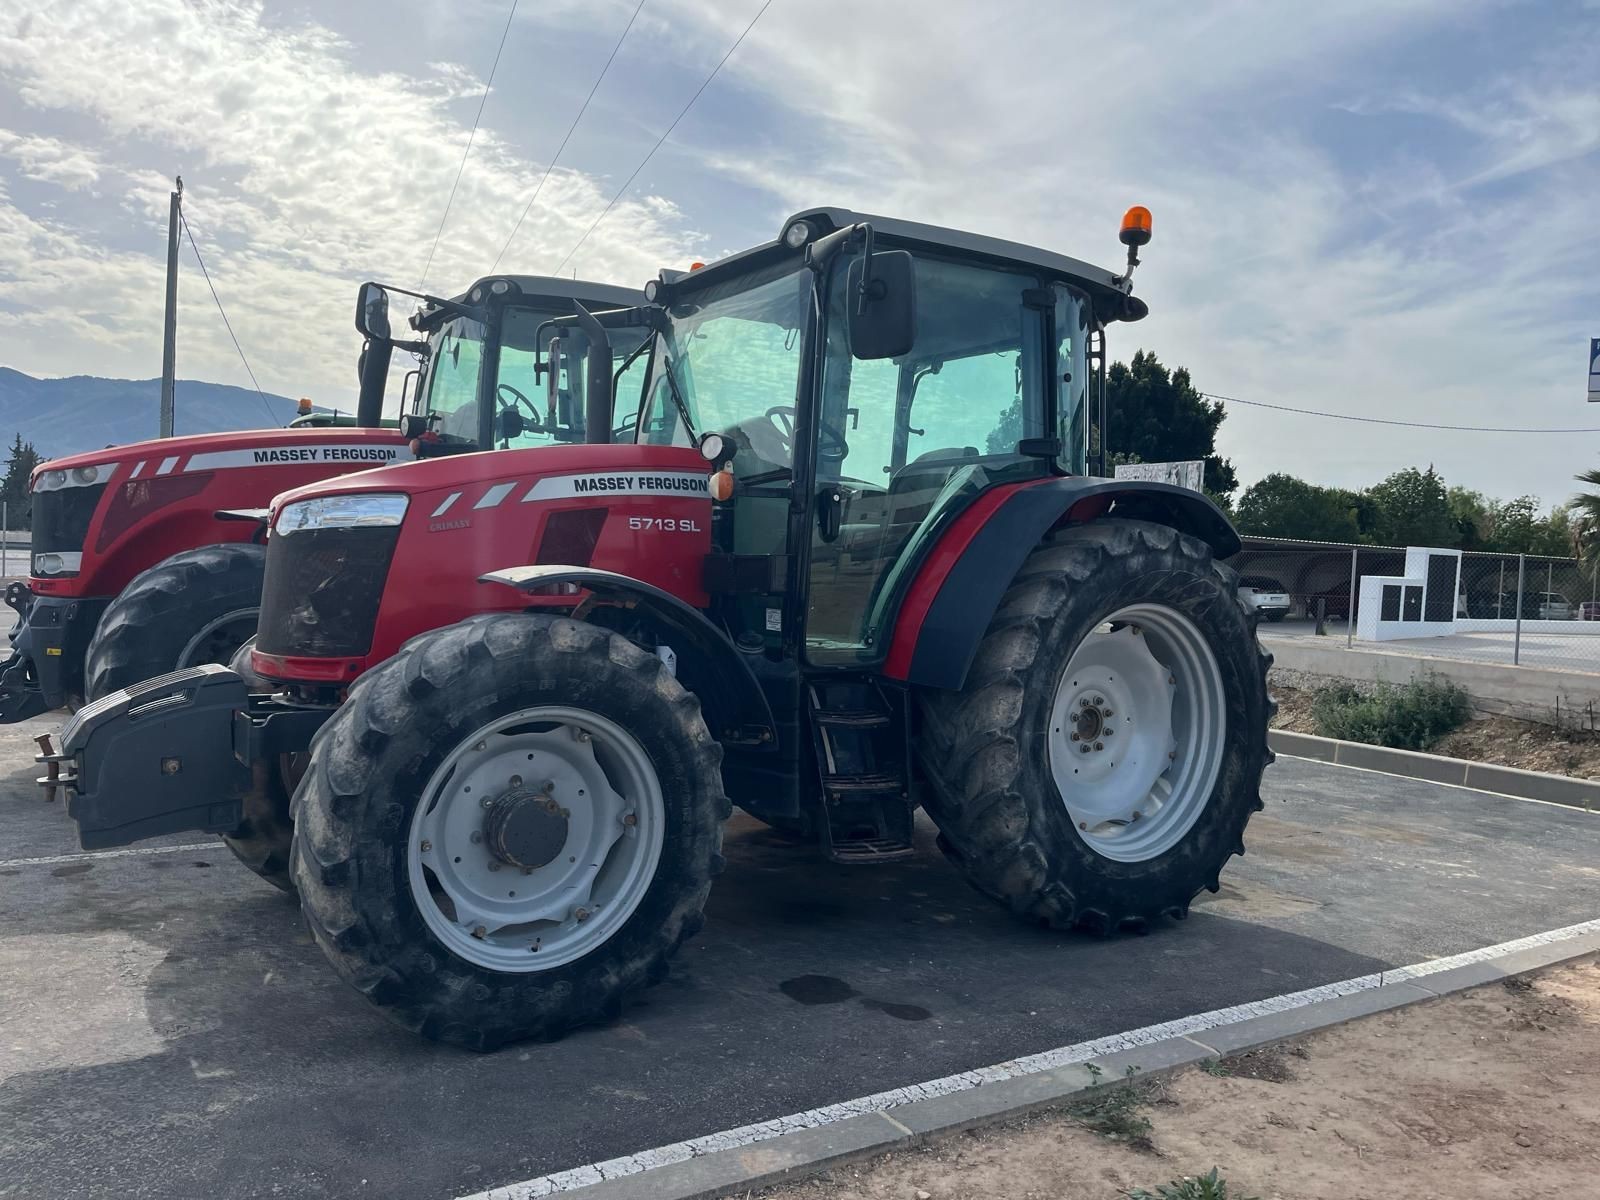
(552, 375)
(414, 425)
(882, 303)
(372, 312)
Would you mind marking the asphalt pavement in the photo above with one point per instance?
(167, 1028)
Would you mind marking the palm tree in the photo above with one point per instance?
(1585, 509)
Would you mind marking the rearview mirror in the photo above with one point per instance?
(372, 312)
(882, 303)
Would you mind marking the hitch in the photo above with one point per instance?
(51, 779)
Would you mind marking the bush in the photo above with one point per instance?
(1412, 717)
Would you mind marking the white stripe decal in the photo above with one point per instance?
(353, 456)
(166, 466)
(445, 506)
(731, 1139)
(493, 496)
(693, 484)
(137, 468)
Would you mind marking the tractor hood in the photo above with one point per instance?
(600, 468)
(250, 447)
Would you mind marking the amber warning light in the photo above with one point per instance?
(1135, 233)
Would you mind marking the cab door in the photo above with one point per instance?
(904, 444)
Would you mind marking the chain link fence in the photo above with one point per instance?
(1527, 610)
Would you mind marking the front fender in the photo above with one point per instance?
(735, 707)
(949, 606)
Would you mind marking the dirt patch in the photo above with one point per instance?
(1504, 741)
(1487, 1094)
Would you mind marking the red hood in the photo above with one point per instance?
(159, 449)
(462, 470)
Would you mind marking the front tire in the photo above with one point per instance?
(195, 607)
(512, 753)
(1120, 626)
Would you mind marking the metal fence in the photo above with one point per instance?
(1528, 610)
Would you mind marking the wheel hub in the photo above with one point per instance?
(526, 829)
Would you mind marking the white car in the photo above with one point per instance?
(1268, 601)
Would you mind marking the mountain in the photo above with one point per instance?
(83, 412)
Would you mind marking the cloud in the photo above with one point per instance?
(50, 160)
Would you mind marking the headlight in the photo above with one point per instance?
(47, 564)
(342, 512)
(797, 235)
(54, 480)
(85, 475)
(51, 480)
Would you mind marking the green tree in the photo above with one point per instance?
(1156, 415)
(1412, 508)
(1584, 513)
(20, 462)
(1283, 506)
(1474, 517)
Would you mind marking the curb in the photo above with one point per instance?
(706, 1172)
(1435, 768)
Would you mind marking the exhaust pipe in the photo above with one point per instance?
(597, 378)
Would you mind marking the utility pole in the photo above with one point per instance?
(169, 337)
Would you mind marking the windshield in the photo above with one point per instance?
(456, 366)
(729, 360)
(454, 361)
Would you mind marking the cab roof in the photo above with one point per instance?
(1110, 291)
(552, 287)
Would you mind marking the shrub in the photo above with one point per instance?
(1412, 717)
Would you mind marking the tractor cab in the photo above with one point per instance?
(473, 387)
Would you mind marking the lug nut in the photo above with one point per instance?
(1108, 732)
(516, 781)
(426, 845)
(549, 786)
(1099, 745)
(581, 914)
(480, 931)
(1083, 824)
(1137, 814)
(1108, 713)
(1075, 737)
(1083, 749)
(1099, 699)
(630, 819)
(481, 746)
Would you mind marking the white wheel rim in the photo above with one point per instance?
(577, 781)
(1136, 732)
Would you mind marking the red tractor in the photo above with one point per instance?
(144, 563)
(841, 556)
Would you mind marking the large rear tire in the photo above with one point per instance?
(1099, 765)
(508, 828)
(195, 607)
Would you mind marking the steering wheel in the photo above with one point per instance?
(831, 444)
(537, 422)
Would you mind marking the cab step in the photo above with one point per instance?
(863, 759)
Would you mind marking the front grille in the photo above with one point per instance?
(61, 518)
(322, 591)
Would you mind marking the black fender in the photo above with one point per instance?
(971, 591)
(735, 707)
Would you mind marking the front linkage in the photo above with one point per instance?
(44, 670)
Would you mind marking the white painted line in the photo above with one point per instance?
(729, 1139)
(1460, 787)
(50, 860)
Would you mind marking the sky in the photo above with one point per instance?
(1375, 207)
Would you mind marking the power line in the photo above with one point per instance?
(660, 141)
(482, 100)
(226, 323)
(551, 166)
(1311, 412)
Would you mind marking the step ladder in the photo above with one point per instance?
(863, 755)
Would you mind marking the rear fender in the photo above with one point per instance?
(735, 707)
(949, 606)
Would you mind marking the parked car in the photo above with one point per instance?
(1553, 606)
(1589, 610)
(1269, 599)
